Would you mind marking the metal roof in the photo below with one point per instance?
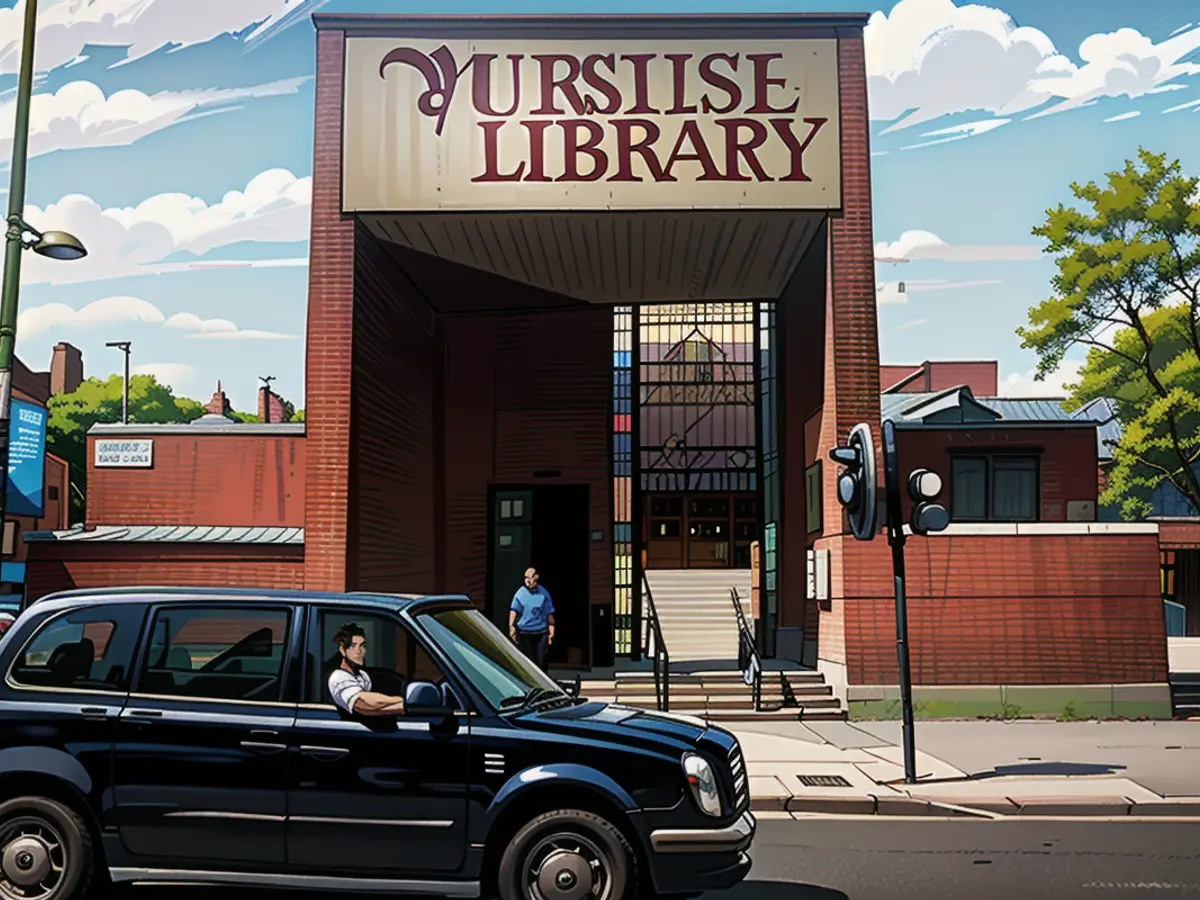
(203, 425)
(173, 534)
(1027, 410)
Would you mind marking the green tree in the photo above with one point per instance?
(96, 400)
(244, 418)
(1128, 289)
(297, 416)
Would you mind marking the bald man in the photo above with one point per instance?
(531, 619)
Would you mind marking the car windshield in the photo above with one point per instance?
(505, 677)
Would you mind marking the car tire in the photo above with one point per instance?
(35, 831)
(548, 857)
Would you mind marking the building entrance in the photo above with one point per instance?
(700, 531)
(544, 526)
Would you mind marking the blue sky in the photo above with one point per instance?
(178, 145)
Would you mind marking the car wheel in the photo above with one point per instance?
(568, 854)
(46, 851)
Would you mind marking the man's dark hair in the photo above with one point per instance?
(345, 635)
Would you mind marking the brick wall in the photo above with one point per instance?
(329, 335)
(1001, 609)
(59, 567)
(393, 467)
(535, 388)
(204, 479)
(1068, 459)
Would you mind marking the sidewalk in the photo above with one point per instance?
(976, 769)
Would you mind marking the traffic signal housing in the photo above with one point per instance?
(924, 487)
(856, 482)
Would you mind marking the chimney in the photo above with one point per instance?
(270, 407)
(219, 404)
(66, 369)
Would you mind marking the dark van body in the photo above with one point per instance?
(186, 735)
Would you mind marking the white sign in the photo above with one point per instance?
(111, 454)
(472, 125)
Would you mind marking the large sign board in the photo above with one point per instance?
(585, 124)
(117, 454)
(26, 459)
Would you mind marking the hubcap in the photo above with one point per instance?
(567, 867)
(33, 859)
(26, 861)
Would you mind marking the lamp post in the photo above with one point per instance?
(20, 235)
(123, 346)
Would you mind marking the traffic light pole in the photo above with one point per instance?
(896, 539)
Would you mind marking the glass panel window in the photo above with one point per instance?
(89, 649)
(222, 653)
(968, 490)
(812, 498)
(1014, 488)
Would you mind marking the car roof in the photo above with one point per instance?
(206, 595)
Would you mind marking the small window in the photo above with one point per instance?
(52, 492)
(812, 498)
(88, 649)
(216, 654)
(995, 488)
(393, 656)
(968, 489)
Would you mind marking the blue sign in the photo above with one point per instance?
(26, 460)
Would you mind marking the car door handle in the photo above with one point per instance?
(260, 747)
(324, 753)
(95, 712)
(144, 714)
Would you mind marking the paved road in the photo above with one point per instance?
(825, 859)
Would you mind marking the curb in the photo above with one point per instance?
(998, 808)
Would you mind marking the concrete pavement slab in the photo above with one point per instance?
(927, 766)
(845, 735)
(767, 792)
(774, 748)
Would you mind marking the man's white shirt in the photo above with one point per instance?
(345, 687)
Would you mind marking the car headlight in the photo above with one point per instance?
(704, 786)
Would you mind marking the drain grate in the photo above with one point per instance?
(823, 781)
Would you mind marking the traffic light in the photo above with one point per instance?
(856, 483)
(927, 516)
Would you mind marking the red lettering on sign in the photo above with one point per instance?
(626, 147)
(598, 82)
(481, 84)
(572, 148)
(641, 84)
(549, 84)
(783, 128)
(763, 81)
(537, 148)
(679, 84)
(491, 155)
(721, 82)
(690, 132)
(735, 146)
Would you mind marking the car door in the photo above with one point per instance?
(374, 794)
(65, 686)
(200, 761)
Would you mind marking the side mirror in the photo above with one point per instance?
(422, 698)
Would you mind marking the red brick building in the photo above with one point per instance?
(509, 214)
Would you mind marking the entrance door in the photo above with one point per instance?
(545, 527)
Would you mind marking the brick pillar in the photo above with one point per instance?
(330, 321)
(851, 331)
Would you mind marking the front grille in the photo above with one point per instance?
(737, 770)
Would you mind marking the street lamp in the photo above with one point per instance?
(20, 235)
(123, 346)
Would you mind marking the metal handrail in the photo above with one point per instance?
(748, 659)
(658, 652)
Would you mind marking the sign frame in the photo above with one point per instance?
(137, 453)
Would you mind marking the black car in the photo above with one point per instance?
(188, 735)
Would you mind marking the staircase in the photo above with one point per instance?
(722, 695)
(1185, 694)
(696, 614)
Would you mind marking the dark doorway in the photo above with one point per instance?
(544, 526)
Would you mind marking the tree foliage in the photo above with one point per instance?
(1127, 288)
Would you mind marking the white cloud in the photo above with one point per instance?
(219, 329)
(928, 246)
(1191, 104)
(931, 58)
(79, 114)
(39, 320)
(65, 28)
(274, 207)
(52, 317)
(888, 293)
(1124, 117)
(1022, 384)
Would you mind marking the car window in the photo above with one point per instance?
(87, 649)
(216, 654)
(393, 656)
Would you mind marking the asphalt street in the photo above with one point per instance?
(861, 859)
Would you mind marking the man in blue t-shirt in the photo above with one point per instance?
(531, 619)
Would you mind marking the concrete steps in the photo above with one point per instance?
(696, 613)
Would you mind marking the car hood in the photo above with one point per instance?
(604, 721)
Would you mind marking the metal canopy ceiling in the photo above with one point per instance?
(642, 257)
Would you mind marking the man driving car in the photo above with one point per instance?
(349, 683)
